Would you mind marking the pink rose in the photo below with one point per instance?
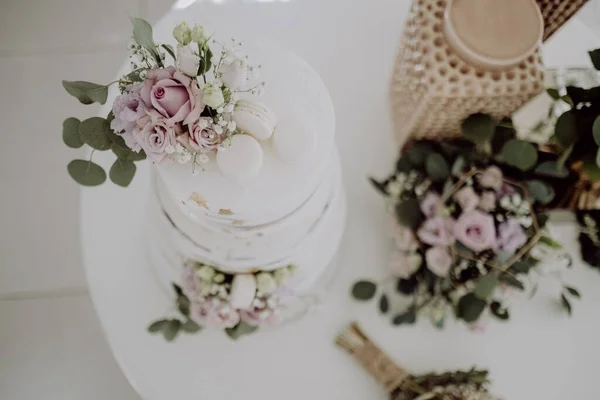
(511, 236)
(260, 316)
(476, 230)
(128, 108)
(439, 260)
(404, 238)
(154, 135)
(403, 265)
(214, 313)
(492, 178)
(467, 198)
(201, 137)
(191, 285)
(430, 204)
(437, 231)
(173, 94)
(487, 202)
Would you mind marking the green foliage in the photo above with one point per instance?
(499, 311)
(205, 61)
(519, 154)
(485, 286)
(572, 291)
(552, 92)
(70, 134)
(566, 304)
(479, 128)
(407, 318)
(552, 168)
(86, 92)
(595, 57)
(408, 213)
(142, 34)
(190, 326)
(540, 191)
(596, 130)
(565, 130)
(380, 186)
(93, 131)
(437, 167)
(470, 307)
(240, 330)
(86, 172)
(364, 290)
(171, 329)
(384, 304)
(592, 170)
(122, 172)
(169, 49)
(417, 153)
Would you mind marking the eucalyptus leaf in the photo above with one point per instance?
(134, 76)
(567, 99)
(470, 307)
(520, 267)
(408, 213)
(485, 286)
(127, 154)
(190, 326)
(596, 130)
(566, 304)
(551, 168)
(384, 304)
(380, 186)
(93, 132)
(205, 62)
(479, 128)
(240, 330)
(171, 330)
(540, 191)
(417, 153)
(519, 154)
(512, 281)
(364, 290)
(499, 311)
(437, 167)
(70, 133)
(86, 172)
(592, 170)
(552, 92)
(408, 317)
(548, 241)
(572, 291)
(158, 326)
(142, 34)
(458, 167)
(122, 172)
(595, 56)
(183, 305)
(86, 92)
(565, 130)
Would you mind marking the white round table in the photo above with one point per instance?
(539, 354)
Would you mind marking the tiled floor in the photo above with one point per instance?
(51, 344)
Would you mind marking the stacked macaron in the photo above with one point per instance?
(292, 140)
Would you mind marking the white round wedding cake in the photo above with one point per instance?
(255, 228)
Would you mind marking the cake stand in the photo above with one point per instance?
(540, 354)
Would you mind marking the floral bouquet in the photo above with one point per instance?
(467, 224)
(238, 303)
(182, 110)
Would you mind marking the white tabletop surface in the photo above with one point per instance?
(539, 354)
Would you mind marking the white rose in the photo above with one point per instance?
(198, 35)
(187, 62)
(243, 291)
(182, 33)
(235, 74)
(212, 95)
(206, 273)
(265, 283)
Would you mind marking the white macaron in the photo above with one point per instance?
(242, 159)
(294, 140)
(255, 119)
(243, 290)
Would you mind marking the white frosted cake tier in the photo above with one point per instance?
(308, 238)
(294, 92)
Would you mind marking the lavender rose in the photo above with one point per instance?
(173, 95)
(437, 231)
(201, 138)
(128, 108)
(214, 313)
(511, 236)
(155, 136)
(438, 260)
(403, 265)
(476, 231)
(467, 198)
(492, 178)
(430, 204)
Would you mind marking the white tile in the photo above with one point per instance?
(39, 235)
(55, 349)
(34, 25)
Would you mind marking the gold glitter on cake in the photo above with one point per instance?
(198, 199)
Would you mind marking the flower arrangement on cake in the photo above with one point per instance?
(182, 109)
(469, 224)
(457, 385)
(237, 303)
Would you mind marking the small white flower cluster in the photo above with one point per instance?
(407, 182)
(518, 206)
